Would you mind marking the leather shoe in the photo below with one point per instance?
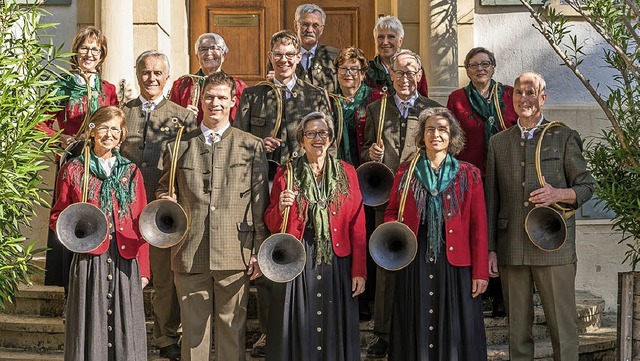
(378, 349)
(172, 352)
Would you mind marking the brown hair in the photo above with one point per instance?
(352, 53)
(219, 78)
(286, 37)
(475, 51)
(105, 114)
(84, 34)
(456, 138)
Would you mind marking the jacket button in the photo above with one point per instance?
(334, 213)
(123, 247)
(449, 214)
(526, 204)
(522, 164)
(335, 230)
(109, 312)
(450, 231)
(448, 196)
(111, 236)
(121, 229)
(451, 248)
(337, 244)
(109, 277)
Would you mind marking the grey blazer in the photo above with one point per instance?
(322, 72)
(144, 144)
(511, 177)
(224, 195)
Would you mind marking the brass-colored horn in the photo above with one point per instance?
(375, 178)
(546, 226)
(82, 227)
(282, 257)
(163, 222)
(393, 245)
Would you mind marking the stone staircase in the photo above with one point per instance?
(33, 329)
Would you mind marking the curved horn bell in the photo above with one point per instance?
(281, 257)
(82, 227)
(393, 246)
(546, 227)
(376, 180)
(163, 223)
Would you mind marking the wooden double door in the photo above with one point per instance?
(247, 26)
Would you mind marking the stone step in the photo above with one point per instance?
(47, 333)
(594, 345)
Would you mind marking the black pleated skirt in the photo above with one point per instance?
(434, 316)
(314, 316)
(105, 311)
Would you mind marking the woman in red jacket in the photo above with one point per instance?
(437, 313)
(315, 316)
(104, 311)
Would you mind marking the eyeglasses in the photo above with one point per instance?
(408, 74)
(278, 56)
(345, 71)
(312, 134)
(206, 49)
(315, 26)
(94, 51)
(483, 65)
(112, 130)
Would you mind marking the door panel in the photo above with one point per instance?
(247, 26)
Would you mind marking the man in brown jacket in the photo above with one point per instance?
(152, 121)
(221, 182)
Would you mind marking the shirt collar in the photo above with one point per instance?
(312, 50)
(154, 103)
(80, 79)
(289, 85)
(528, 132)
(207, 132)
(410, 102)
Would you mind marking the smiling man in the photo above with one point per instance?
(221, 182)
(150, 126)
(512, 191)
(398, 146)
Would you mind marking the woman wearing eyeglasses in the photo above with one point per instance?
(90, 48)
(315, 316)
(437, 311)
(354, 96)
(104, 310)
(483, 108)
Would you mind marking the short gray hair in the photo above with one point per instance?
(541, 82)
(311, 117)
(388, 23)
(310, 9)
(151, 53)
(408, 53)
(217, 39)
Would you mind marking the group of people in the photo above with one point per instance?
(465, 179)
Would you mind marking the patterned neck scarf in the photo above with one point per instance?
(348, 116)
(332, 190)
(114, 183)
(75, 92)
(485, 108)
(435, 184)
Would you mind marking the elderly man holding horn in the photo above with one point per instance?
(530, 167)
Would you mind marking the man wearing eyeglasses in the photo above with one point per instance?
(150, 124)
(398, 146)
(211, 50)
(258, 114)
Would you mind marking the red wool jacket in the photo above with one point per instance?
(473, 126)
(348, 233)
(130, 242)
(466, 233)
